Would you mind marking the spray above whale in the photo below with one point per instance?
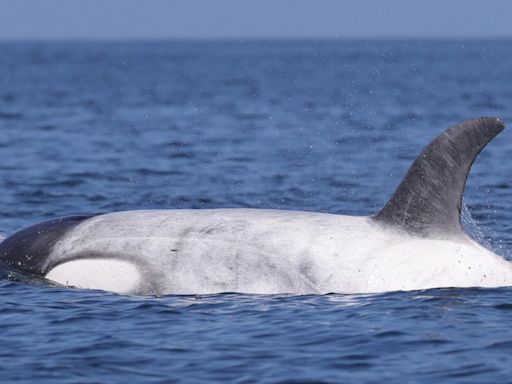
(415, 241)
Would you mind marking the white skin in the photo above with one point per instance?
(263, 251)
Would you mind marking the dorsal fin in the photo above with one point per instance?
(428, 201)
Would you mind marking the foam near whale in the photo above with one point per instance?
(415, 242)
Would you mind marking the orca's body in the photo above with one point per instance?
(415, 242)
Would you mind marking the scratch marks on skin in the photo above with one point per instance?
(162, 222)
(198, 253)
(305, 274)
(214, 228)
(236, 269)
(406, 209)
(179, 247)
(308, 282)
(182, 238)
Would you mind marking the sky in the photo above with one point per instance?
(253, 19)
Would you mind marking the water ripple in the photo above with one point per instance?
(322, 126)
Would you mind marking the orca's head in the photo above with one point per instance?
(29, 250)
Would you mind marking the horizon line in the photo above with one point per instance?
(255, 39)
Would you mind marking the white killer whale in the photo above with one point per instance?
(414, 242)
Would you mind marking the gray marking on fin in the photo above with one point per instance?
(428, 201)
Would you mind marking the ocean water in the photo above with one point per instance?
(326, 126)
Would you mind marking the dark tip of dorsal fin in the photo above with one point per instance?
(429, 199)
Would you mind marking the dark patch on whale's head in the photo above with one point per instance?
(28, 249)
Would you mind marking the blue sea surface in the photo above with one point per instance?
(327, 126)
